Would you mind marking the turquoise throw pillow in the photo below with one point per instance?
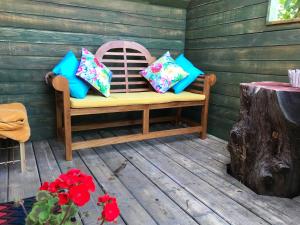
(191, 69)
(67, 67)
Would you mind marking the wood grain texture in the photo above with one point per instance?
(74, 26)
(35, 35)
(133, 137)
(154, 200)
(191, 204)
(24, 185)
(216, 176)
(198, 187)
(230, 38)
(126, 6)
(4, 157)
(87, 14)
(266, 122)
(161, 181)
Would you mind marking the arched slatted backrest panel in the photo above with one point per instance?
(126, 59)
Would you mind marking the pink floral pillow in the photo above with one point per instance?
(94, 72)
(164, 73)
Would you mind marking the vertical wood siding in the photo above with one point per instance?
(230, 38)
(35, 34)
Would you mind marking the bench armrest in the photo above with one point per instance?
(211, 79)
(58, 82)
(62, 93)
(203, 84)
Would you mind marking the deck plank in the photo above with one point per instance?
(207, 160)
(182, 142)
(48, 166)
(158, 205)
(90, 212)
(270, 211)
(230, 210)
(26, 184)
(297, 199)
(214, 145)
(131, 210)
(173, 180)
(3, 175)
(214, 154)
(281, 204)
(188, 202)
(210, 145)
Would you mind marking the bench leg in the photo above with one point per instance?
(22, 156)
(204, 118)
(146, 115)
(68, 135)
(178, 116)
(59, 118)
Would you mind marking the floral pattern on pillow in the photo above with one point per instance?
(94, 72)
(164, 73)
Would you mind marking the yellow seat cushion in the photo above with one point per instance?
(137, 98)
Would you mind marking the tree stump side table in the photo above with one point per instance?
(264, 144)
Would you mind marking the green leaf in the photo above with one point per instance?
(55, 219)
(43, 195)
(73, 211)
(44, 216)
(52, 201)
(70, 223)
(287, 3)
(30, 221)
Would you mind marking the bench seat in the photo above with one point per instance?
(140, 98)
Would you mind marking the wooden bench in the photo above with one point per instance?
(125, 59)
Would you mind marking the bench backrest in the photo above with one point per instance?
(126, 59)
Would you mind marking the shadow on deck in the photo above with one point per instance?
(174, 180)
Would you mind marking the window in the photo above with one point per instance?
(283, 11)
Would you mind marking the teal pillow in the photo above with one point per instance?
(191, 69)
(67, 67)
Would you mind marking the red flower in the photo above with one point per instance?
(63, 198)
(79, 195)
(110, 211)
(73, 172)
(53, 187)
(72, 185)
(61, 184)
(103, 199)
(68, 180)
(88, 183)
(44, 187)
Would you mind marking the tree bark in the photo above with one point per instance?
(264, 144)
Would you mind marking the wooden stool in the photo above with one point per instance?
(264, 144)
(22, 156)
(14, 126)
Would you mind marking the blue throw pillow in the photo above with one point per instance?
(67, 67)
(191, 69)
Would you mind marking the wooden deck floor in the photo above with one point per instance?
(176, 180)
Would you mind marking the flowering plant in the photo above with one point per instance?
(110, 210)
(58, 201)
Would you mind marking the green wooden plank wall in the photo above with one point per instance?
(35, 34)
(230, 38)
